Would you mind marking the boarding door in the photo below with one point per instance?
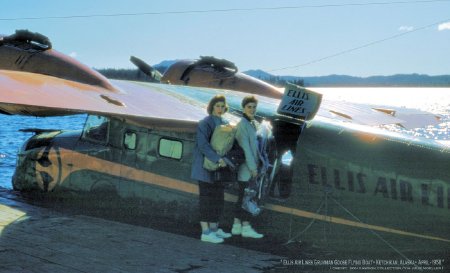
(130, 170)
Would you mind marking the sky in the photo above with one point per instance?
(298, 38)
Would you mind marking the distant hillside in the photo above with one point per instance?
(344, 80)
(417, 80)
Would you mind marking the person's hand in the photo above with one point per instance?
(222, 163)
(254, 173)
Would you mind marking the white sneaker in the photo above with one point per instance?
(222, 234)
(211, 238)
(249, 232)
(237, 229)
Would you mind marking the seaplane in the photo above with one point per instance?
(348, 185)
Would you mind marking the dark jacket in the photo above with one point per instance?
(203, 148)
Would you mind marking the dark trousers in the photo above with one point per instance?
(211, 201)
(239, 212)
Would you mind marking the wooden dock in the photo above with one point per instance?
(36, 239)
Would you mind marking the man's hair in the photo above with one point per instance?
(248, 100)
(214, 100)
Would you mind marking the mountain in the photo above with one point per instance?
(260, 74)
(416, 80)
(344, 80)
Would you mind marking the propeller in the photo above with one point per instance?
(146, 69)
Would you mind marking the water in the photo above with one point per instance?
(11, 139)
(435, 100)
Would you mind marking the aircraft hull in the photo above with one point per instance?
(378, 183)
(334, 199)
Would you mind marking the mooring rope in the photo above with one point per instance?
(372, 231)
(292, 239)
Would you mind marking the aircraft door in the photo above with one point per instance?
(163, 160)
(286, 137)
(132, 144)
(172, 160)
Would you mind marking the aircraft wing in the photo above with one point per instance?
(147, 104)
(356, 113)
(375, 115)
(34, 94)
(411, 118)
(160, 105)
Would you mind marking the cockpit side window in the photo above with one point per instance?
(130, 140)
(170, 148)
(96, 129)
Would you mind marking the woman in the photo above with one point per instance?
(211, 193)
(246, 137)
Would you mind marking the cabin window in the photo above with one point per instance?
(96, 128)
(170, 148)
(129, 140)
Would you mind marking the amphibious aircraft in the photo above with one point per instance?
(348, 183)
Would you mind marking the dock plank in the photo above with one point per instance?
(35, 239)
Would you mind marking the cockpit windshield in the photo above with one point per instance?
(96, 128)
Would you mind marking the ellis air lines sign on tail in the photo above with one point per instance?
(299, 102)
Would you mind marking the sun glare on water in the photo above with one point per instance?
(433, 100)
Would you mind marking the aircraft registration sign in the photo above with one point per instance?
(299, 102)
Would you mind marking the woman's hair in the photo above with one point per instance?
(214, 100)
(248, 100)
